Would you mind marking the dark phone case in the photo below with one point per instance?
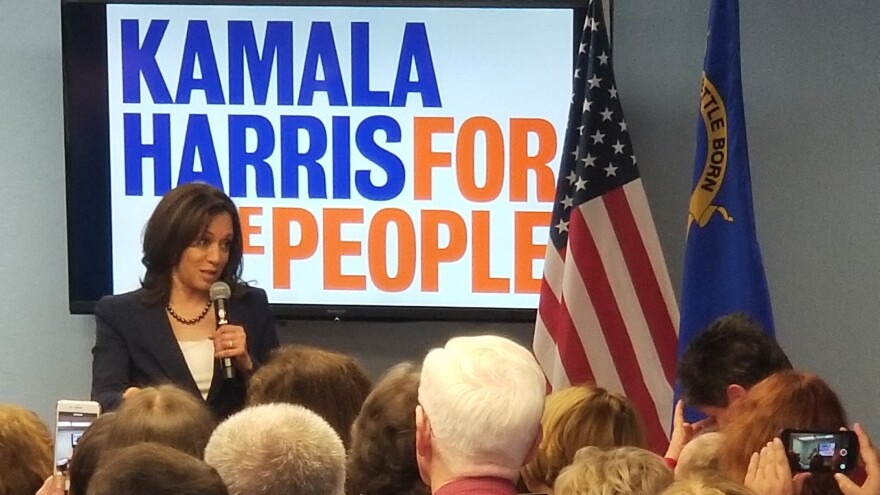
(850, 460)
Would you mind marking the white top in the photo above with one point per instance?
(199, 356)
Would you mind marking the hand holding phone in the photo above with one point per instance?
(817, 451)
(871, 458)
(768, 472)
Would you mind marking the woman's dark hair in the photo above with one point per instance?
(154, 469)
(734, 349)
(382, 460)
(179, 219)
(332, 384)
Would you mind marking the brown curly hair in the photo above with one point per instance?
(382, 460)
(25, 451)
(332, 384)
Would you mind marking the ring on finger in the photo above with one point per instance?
(229, 344)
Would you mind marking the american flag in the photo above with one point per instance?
(607, 312)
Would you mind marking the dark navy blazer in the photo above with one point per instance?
(135, 347)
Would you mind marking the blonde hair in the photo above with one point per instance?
(618, 471)
(707, 485)
(581, 416)
(25, 450)
(700, 455)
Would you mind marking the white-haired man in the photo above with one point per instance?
(479, 415)
(278, 449)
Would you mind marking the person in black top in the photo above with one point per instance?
(166, 331)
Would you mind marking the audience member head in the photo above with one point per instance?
(95, 441)
(576, 417)
(788, 399)
(724, 361)
(382, 459)
(165, 415)
(332, 384)
(25, 451)
(480, 408)
(179, 220)
(701, 456)
(277, 449)
(154, 469)
(620, 470)
(707, 485)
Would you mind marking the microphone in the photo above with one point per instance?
(219, 294)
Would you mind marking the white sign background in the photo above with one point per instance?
(498, 63)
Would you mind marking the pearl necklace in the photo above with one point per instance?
(189, 321)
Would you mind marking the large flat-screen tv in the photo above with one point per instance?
(389, 159)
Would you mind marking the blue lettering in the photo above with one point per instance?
(140, 59)
(136, 150)
(387, 161)
(292, 158)
(240, 158)
(198, 139)
(198, 46)
(322, 48)
(361, 94)
(342, 157)
(415, 51)
(278, 44)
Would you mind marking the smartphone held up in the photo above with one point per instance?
(821, 451)
(72, 417)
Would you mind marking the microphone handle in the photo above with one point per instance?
(225, 363)
(228, 370)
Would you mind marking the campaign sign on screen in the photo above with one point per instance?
(378, 156)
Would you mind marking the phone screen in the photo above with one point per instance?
(69, 428)
(821, 451)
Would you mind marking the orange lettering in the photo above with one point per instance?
(282, 251)
(464, 159)
(482, 281)
(335, 248)
(521, 162)
(247, 229)
(525, 251)
(432, 253)
(425, 159)
(377, 250)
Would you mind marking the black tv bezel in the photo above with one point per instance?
(89, 248)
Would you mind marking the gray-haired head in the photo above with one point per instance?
(277, 449)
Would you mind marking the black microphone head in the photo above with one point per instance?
(220, 290)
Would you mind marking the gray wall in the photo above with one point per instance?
(811, 82)
(813, 111)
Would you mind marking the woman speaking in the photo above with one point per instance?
(166, 331)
